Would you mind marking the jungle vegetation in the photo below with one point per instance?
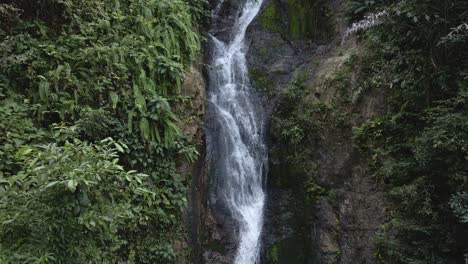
(416, 55)
(419, 147)
(89, 141)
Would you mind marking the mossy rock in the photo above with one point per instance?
(287, 251)
(298, 19)
(261, 81)
(271, 17)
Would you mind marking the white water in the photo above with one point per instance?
(237, 144)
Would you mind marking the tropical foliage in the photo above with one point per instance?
(412, 57)
(419, 148)
(89, 141)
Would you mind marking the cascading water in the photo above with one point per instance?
(236, 145)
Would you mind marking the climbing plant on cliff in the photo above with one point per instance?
(419, 148)
(74, 74)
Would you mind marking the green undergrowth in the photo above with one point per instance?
(303, 123)
(418, 147)
(89, 144)
(415, 63)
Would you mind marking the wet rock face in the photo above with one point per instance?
(191, 119)
(292, 38)
(282, 47)
(285, 36)
(224, 15)
(211, 233)
(286, 236)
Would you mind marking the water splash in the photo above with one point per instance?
(237, 144)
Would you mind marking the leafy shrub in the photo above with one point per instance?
(122, 55)
(419, 146)
(74, 204)
(95, 125)
(16, 130)
(73, 73)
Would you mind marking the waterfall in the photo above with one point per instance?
(236, 144)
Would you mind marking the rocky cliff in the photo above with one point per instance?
(323, 206)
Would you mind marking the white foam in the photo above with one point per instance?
(244, 151)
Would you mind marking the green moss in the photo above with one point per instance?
(273, 255)
(291, 177)
(297, 21)
(264, 53)
(308, 19)
(276, 44)
(270, 19)
(288, 251)
(261, 81)
(305, 19)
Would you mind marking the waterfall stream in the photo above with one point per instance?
(236, 144)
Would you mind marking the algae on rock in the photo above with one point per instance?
(298, 19)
